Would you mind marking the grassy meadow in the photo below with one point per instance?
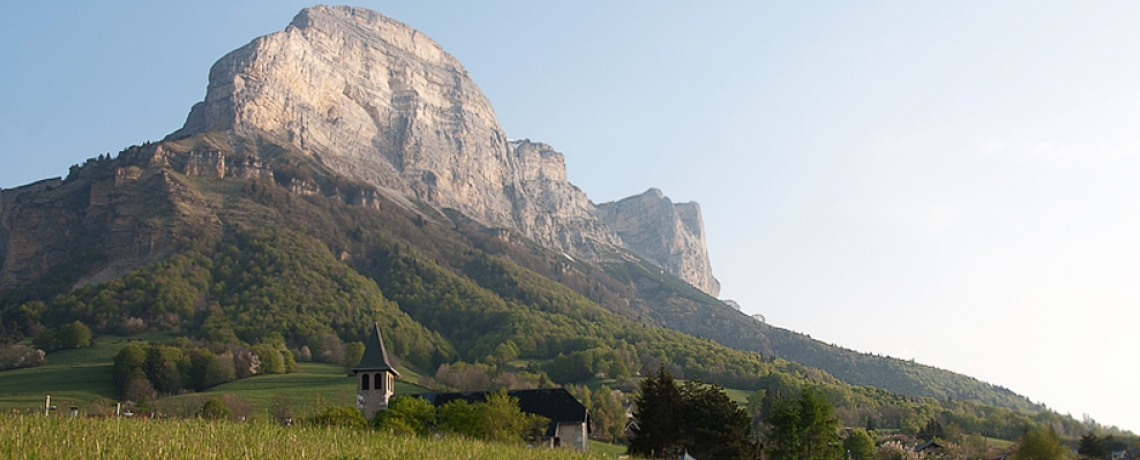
(39, 437)
(82, 376)
(72, 377)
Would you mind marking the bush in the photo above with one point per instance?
(406, 415)
(215, 409)
(340, 416)
(498, 419)
(895, 450)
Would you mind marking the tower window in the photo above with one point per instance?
(363, 381)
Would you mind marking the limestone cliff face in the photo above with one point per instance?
(378, 102)
(103, 221)
(669, 234)
(375, 100)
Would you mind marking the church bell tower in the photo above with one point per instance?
(375, 376)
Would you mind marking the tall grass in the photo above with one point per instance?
(39, 437)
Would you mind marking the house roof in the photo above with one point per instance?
(927, 445)
(375, 355)
(556, 404)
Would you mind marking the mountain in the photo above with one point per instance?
(380, 103)
(348, 170)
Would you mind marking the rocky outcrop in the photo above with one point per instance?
(669, 234)
(103, 221)
(380, 103)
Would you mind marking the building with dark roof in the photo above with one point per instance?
(375, 376)
(569, 420)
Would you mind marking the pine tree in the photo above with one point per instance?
(803, 428)
(1092, 446)
(694, 418)
(659, 418)
(715, 427)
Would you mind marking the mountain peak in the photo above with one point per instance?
(378, 102)
(351, 23)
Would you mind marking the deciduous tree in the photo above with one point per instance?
(859, 445)
(1040, 444)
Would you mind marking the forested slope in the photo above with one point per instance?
(291, 259)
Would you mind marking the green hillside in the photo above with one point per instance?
(258, 263)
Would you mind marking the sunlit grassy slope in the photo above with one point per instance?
(71, 377)
(82, 376)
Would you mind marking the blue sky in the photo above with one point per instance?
(955, 183)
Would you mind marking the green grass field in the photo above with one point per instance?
(82, 376)
(56, 437)
(71, 377)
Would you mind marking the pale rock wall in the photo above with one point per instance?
(669, 235)
(381, 103)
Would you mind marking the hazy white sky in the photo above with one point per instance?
(952, 182)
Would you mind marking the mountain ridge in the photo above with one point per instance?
(114, 215)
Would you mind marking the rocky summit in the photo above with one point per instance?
(379, 102)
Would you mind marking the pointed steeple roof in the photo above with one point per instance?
(375, 355)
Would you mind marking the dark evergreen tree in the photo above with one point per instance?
(714, 426)
(803, 428)
(1092, 446)
(659, 418)
(698, 419)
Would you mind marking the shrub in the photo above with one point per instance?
(215, 409)
(895, 450)
(340, 416)
(406, 415)
(498, 419)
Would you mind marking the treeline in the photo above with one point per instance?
(143, 372)
(876, 409)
